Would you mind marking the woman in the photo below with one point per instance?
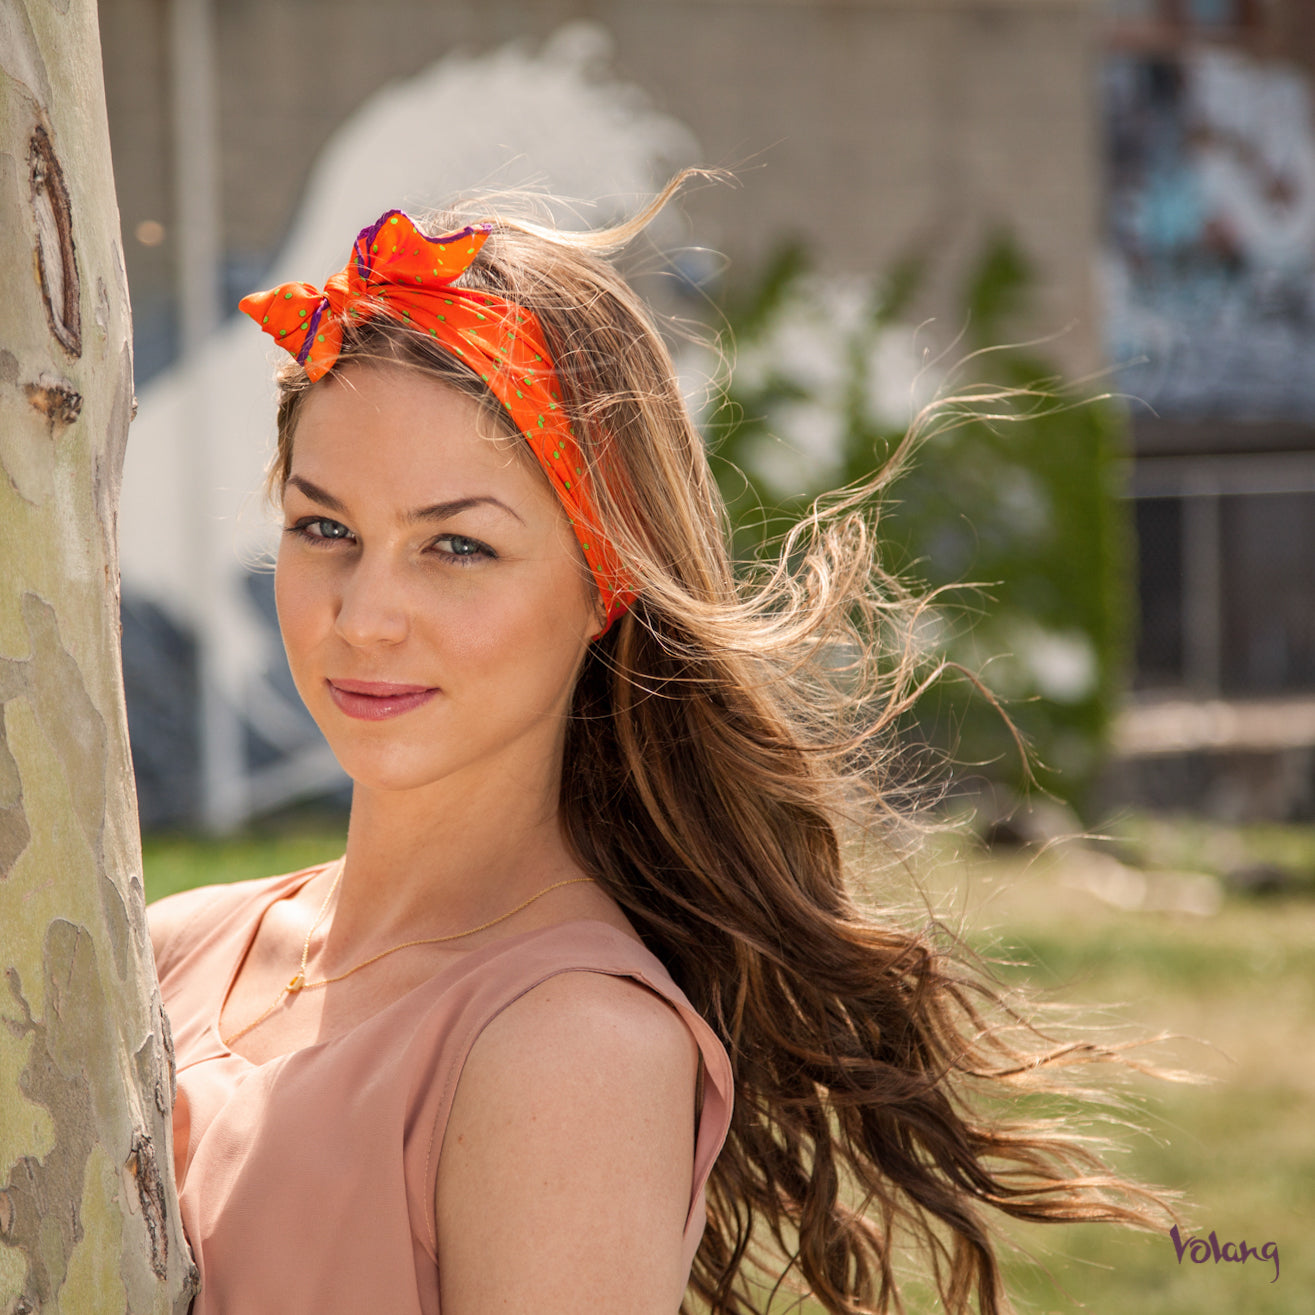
(592, 920)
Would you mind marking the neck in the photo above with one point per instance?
(445, 857)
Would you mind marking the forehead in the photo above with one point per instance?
(382, 426)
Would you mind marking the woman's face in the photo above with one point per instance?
(433, 600)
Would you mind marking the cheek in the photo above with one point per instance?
(294, 602)
(530, 645)
(515, 632)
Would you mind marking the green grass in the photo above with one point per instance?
(179, 862)
(1241, 982)
(1197, 844)
(1238, 987)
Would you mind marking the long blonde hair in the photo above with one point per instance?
(728, 737)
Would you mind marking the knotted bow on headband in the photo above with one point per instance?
(398, 271)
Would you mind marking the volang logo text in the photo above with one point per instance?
(1199, 1249)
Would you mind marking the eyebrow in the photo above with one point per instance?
(436, 511)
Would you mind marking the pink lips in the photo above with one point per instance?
(377, 700)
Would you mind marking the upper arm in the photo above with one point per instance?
(566, 1169)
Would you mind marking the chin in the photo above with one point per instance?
(389, 773)
(387, 758)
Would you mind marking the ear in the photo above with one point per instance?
(597, 617)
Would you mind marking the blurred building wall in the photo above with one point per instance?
(1210, 299)
(1209, 282)
(872, 127)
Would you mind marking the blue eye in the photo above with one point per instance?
(329, 529)
(460, 548)
(321, 529)
(459, 545)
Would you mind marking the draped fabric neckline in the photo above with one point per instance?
(434, 982)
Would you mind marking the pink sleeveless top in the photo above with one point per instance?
(309, 1181)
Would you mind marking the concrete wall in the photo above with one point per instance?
(879, 126)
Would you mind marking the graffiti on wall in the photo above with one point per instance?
(1209, 268)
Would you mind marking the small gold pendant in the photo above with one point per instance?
(295, 984)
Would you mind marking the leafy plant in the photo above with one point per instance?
(1012, 500)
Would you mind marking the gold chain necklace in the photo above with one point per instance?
(299, 982)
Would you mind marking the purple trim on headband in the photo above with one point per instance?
(460, 233)
(365, 238)
(311, 327)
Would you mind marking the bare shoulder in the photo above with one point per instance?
(587, 1016)
(573, 1127)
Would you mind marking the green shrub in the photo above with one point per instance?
(1022, 515)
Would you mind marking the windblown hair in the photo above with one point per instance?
(730, 737)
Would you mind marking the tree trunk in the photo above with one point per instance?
(88, 1211)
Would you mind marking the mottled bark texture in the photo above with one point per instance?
(88, 1211)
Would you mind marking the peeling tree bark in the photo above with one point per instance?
(88, 1210)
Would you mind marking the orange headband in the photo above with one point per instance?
(400, 272)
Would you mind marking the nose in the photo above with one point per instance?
(372, 605)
